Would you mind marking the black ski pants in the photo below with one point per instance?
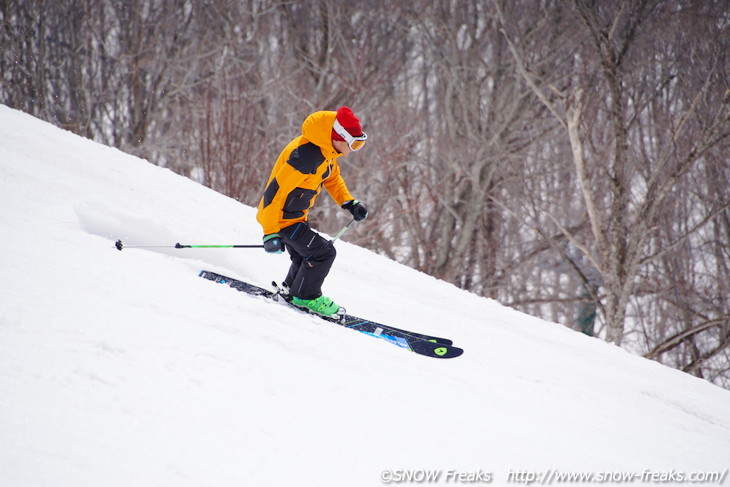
(311, 259)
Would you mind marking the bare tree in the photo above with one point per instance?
(626, 176)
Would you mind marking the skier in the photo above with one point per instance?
(303, 167)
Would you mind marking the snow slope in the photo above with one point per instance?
(126, 369)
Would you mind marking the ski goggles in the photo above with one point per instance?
(354, 143)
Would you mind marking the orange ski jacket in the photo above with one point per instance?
(307, 164)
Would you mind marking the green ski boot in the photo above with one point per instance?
(322, 305)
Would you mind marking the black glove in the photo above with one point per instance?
(358, 210)
(273, 243)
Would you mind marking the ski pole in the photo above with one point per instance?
(181, 246)
(344, 229)
(119, 245)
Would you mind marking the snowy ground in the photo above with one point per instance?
(126, 369)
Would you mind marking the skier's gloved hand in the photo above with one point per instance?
(358, 210)
(273, 243)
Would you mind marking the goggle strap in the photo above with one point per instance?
(349, 138)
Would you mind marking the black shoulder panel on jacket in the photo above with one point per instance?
(306, 158)
(270, 192)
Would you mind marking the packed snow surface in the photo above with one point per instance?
(126, 369)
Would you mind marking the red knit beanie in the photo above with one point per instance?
(349, 122)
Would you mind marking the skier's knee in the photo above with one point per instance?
(327, 254)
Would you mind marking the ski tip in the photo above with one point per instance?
(443, 351)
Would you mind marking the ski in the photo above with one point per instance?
(352, 320)
(419, 343)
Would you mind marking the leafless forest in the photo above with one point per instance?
(568, 158)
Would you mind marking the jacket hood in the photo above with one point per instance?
(317, 128)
